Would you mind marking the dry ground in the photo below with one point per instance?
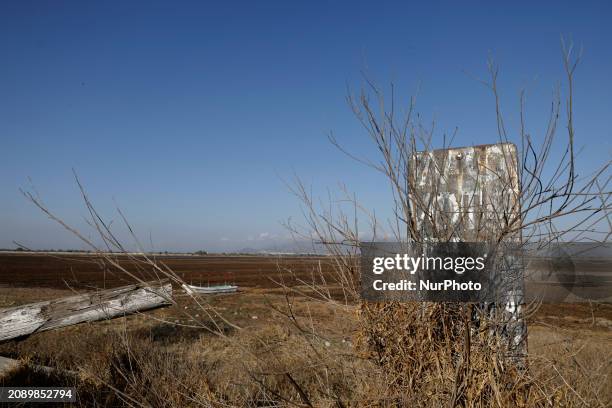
(182, 363)
(257, 351)
(87, 271)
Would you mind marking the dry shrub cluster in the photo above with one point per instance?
(433, 358)
(421, 350)
(441, 354)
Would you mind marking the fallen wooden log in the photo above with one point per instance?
(105, 304)
(8, 365)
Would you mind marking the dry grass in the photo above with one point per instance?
(433, 365)
(314, 358)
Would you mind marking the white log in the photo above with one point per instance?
(106, 304)
(7, 365)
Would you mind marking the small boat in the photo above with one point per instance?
(210, 290)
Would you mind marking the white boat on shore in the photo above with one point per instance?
(209, 290)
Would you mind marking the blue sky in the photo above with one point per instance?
(189, 116)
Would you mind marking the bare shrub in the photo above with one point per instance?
(431, 353)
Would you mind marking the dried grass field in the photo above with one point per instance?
(263, 346)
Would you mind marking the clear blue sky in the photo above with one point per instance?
(190, 115)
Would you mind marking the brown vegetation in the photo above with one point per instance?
(168, 359)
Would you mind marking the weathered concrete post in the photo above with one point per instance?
(472, 194)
